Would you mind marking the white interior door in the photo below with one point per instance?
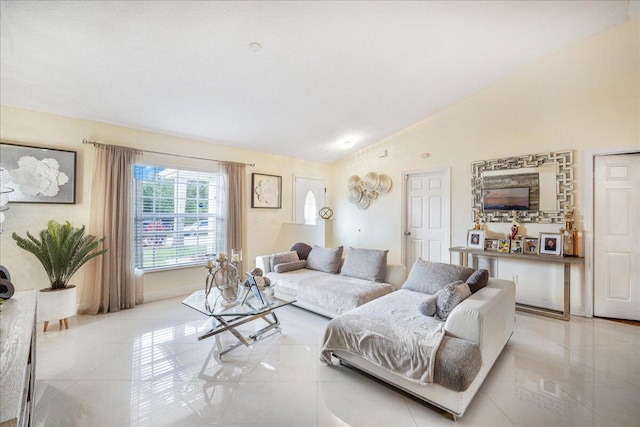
(309, 197)
(616, 257)
(427, 214)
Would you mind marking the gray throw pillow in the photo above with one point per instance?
(428, 306)
(303, 250)
(478, 280)
(451, 295)
(367, 264)
(281, 258)
(324, 259)
(429, 277)
(290, 266)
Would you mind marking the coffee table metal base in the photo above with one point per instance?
(227, 324)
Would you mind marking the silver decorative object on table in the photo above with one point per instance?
(223, 275)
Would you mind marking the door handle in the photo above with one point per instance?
(407, 233)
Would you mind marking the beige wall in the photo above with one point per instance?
(263, 226)
(584, 98)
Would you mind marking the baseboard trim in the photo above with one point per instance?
(171, 293)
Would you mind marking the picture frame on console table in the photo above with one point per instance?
(491, 245)
(529, 245)
(503, 246)
(515, 246)
(37, 174)
(266, 191)
(550, 244)
(475, 239)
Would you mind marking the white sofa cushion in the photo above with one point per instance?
(332, 292)
(290, 281)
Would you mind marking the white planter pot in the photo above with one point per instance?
(56, 305)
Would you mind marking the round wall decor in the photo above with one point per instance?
(362, 191)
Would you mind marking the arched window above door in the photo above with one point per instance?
(310, 209)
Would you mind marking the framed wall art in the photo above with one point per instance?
(39, 175)
(266, 191)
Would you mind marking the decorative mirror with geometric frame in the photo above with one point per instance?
(548, 199)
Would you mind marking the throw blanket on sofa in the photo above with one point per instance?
(395, 337)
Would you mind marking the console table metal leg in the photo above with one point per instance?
(567, 291)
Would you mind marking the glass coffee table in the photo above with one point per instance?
(229, 317)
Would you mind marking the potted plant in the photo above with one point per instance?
(61, 249)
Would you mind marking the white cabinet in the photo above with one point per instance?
(17, 359)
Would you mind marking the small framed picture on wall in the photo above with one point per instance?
(475, 239)
(551, 243)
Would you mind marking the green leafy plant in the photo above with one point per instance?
(62, 249)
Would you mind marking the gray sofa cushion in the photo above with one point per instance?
(457, 363)
(367, 264)
(478, 280)
(325, 259)
(428, 306)
(302, 249)
(290, 266)
(450, 296)
(429, 277)
(281, 258)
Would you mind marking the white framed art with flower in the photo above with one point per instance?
(37, 174)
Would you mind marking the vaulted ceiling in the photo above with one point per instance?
(321, 72)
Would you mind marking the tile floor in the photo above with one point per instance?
(146, 367)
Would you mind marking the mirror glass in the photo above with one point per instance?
(538, 186)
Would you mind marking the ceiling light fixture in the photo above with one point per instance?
(255, 47)
(348, 143)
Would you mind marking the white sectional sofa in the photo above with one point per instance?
(475, 333)
(329, 294)
(435, 335)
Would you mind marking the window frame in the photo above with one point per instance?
(177, 226)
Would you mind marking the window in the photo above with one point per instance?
(310, 209)
(176, 216)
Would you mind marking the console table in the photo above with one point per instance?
(17, 370)
(567, 261)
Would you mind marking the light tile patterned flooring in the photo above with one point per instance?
(146, 367)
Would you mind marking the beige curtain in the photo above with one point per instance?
(110, 283)
(234, 202)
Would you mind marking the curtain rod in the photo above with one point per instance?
(94, 143)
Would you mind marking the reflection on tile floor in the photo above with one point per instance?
(146, 367)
